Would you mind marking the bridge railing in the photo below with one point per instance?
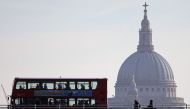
(49, 107)
(86, 107)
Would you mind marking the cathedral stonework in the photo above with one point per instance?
(145, 75)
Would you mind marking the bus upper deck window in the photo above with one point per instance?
(21, 85)
(83, 85)
(48, 86)
(34, 86)
(60, 85)
(72, 85)
(94, 84)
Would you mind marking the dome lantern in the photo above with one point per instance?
(145, 34)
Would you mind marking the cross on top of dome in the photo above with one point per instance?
(145, 11)
(145, 5)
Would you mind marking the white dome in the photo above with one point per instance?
(147, 67)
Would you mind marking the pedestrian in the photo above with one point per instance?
(150, 106)
(137, 105)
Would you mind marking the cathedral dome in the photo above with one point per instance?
(147, 67)
(145, 75)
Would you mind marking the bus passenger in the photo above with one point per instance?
(59, 86)
(20, 87)
(67, 87)
(45, 86)
(50, 102)
(82, 87)
(37, 86)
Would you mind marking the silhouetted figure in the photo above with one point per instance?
(59, 86)
(67, 87)
(50, 102)
(37, 86)
(82, 87)
(150, 106)
(45, 86)
(20, 87)
(137, 105)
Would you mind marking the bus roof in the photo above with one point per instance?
(18, 78)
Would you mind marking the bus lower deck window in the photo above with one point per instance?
(83, 101)
(93, 102)
(71, 101)
(72, 85)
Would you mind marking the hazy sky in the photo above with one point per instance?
(89, 38)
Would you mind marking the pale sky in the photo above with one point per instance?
(89, 38)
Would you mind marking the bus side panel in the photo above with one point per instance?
(101, 93)
(22, 93)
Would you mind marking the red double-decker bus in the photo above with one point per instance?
(71, 93)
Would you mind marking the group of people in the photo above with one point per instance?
(138, 106)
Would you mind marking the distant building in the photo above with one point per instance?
(145, 75)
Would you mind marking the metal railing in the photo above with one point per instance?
(49, 107)
(87, 107)
(154, 107)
